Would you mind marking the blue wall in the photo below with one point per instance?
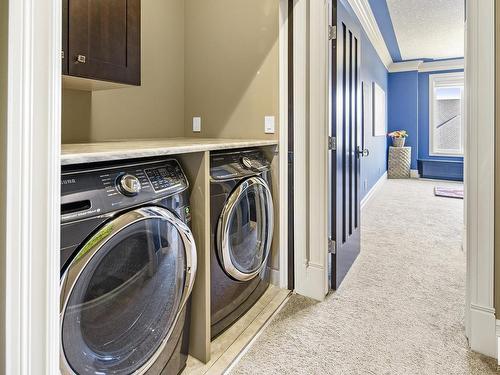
(409, 110)
(403, 108)
(372, 70)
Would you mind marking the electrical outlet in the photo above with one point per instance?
(269, 124)
(196, 124)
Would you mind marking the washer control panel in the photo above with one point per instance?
(163, 178)
(94, 192)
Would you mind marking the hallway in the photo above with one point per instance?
(400, 309)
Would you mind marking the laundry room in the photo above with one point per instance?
(170, 183)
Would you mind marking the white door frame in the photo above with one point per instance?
(33, 188)
(33, 174)
(310, 77)
(283, 144)
(479, 175)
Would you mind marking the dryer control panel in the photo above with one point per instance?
(238, 164)
(99, 191)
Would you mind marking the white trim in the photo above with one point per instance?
(430, 66)
(310, 147)
(365, 16)
(33, 188)
(479, 175)
(283, 146)
(373, 190)
(405, 66)
(437, 66)
(445, 80)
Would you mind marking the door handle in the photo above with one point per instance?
(363, 152)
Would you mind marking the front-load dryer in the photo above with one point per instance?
(241, 208)
(128, 263)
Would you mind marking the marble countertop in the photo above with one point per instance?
(81, 153)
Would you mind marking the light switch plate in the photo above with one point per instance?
(269, 125)
(196, 124)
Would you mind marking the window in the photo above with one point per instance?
(446, 114)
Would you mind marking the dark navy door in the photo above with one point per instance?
(346, 146)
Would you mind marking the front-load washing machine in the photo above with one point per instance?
(242, 229)
(128, 263)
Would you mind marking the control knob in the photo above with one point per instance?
(247, 162)
(129, 185)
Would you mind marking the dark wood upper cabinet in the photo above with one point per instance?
(103, 40)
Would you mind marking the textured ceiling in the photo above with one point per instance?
(431, 29)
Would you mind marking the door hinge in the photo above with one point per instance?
(332, 246)
(332, 143)
(332, 32)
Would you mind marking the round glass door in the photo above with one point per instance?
(245, 230)
(124, 291)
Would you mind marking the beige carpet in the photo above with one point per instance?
(400, 310)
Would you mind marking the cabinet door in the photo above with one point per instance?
(104, 40)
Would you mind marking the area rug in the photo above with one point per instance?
(449, 192)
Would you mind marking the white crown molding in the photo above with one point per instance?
(434, 66)
(365, 15)
(405, 66)
(431, 66)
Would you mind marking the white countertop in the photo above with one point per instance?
(80, 153)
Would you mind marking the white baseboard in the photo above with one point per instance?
(414, 173)
(373, 190)
(483, 337)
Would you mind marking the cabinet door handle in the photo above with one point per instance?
(81, 59)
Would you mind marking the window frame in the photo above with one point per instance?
(446, 80)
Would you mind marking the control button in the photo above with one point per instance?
(129, 185)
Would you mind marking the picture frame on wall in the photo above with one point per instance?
(379, 111)
(367, 107)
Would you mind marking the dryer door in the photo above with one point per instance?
(124, 291)
(245, 230)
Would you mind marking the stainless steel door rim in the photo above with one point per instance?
(99, 240)
(223, 227)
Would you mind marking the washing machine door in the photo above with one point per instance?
(245, 230)
(123, 293)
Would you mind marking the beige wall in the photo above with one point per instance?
(75, 116)
(3, 149)
(232, 66)
(217, 59)
(156, 108)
